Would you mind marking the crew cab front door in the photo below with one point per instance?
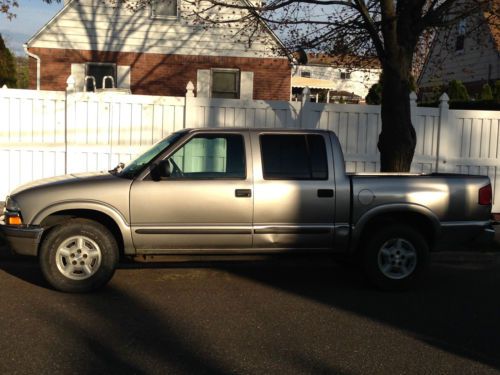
(205, 203)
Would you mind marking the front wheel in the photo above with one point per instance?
(395, 257)
(78, 256)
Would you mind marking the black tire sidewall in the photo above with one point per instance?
(93, 230)
(371, 251)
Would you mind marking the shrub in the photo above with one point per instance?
(486, 93)
(457, 91)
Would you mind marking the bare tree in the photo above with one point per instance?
(8, 7)
(392, 30)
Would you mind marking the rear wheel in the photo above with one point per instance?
(396, 257)
(79, 256)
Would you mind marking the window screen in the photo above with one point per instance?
(460, 42)
(165, 8)
(210, 156)
(294, 157)
(226, 84)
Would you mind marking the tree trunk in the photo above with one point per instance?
(397, 140)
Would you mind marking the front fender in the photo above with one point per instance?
(91, 205)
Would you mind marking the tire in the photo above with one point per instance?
(78, 256)
(395, 258)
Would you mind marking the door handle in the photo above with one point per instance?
(325, 193)
(243, 193)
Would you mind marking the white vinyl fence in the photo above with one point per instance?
(47, 133)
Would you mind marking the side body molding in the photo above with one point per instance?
(91, 205)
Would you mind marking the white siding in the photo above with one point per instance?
(478, 61)
(93, 25)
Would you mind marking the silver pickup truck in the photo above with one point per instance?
(241, 191)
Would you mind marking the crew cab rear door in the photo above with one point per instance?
(294, 187)
(206, 203)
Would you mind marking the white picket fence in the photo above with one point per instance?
(47, 133)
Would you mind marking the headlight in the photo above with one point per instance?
(11, 205)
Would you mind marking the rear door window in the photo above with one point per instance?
(293, 157)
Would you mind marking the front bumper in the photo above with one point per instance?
(22, 240)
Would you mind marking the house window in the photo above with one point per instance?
(164, 9)
(345, 75)
(460, 42)
(305, 73)
(99, 71)
(225, 83)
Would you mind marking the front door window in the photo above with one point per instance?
(207, 156)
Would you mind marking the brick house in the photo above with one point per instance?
(155, 50)
(470, 53)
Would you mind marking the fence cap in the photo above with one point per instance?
(444, 97)
(190, 89)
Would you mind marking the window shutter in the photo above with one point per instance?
(123, 76)
(78, 72)
(203, 83)
(246, 85)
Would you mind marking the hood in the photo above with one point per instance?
(61, 180)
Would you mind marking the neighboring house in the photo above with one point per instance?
(156, 50)
(470, 53)
(336, 77)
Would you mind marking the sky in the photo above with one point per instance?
(31, 16)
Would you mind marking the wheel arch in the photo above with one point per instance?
(118, 229)
(415, 216)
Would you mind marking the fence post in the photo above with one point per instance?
(188, 105)
(70, 89)
(413, 108)
(304, 107)
(445, 145)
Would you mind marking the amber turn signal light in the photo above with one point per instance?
(14, 220)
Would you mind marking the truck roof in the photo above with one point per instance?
(258, 130)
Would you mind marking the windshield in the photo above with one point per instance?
(137, 165)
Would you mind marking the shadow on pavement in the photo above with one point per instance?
(455, 309)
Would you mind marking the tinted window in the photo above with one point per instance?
(294, 157)
(317, 153)
(210, 156)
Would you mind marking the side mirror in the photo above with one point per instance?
(161, 170)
